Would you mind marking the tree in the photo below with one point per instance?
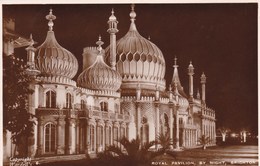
(204, 140)
(130, 154)
(16, 91)
(165, 141)
(223, 131)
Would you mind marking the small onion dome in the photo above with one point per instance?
(112, 17)
(138, 60)
(183, 103)
(99, 76)
(54, 60)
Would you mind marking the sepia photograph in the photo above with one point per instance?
(139, 84)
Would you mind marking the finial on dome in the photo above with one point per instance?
(112, 17)
(132, 14)
(149, 38)
(99, 43)
(31, 40)
(50, 17)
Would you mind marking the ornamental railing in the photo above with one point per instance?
(82, 113)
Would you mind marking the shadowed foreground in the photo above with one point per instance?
(226, 155)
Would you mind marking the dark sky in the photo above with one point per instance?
(220, 39)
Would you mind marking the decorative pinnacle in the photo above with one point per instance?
(175, 62)
(190, 69)
(149, 38)
(203, 78)
(132, 14)
(112, 17)
(50, 17)
(99, 43)
(31, 40)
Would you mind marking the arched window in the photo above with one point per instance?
(104, 106)
(180, 121)
(68, 100)
(50, 137)
(92, 137)
(82, 104)
(50, 99)
(122, 132)
(110, 136)
(115, 135)
(166, 125)
(144, 131)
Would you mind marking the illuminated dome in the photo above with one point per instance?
(53, 59)
(139, 60)
(99, 76)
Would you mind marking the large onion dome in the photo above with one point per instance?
(53, 59)
(99, 76)
(138, 60)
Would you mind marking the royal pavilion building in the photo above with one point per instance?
(121, 92)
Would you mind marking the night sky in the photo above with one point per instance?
(220, 39)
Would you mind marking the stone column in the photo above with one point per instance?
(60, 135)
(171, 122)
(77, 136)
(97, 135)
(87, 137)
(183, 137)
(202, 127)
(177, 127)
(157, 122)
(138, 120)
(106, 134)
(40, 147)
(69, 147)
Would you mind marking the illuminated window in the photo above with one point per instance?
(50, 137)
(68, 100)
(82, 104)
(92, 137)
(50, 99)
(104, 106)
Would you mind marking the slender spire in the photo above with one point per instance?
(175, 62)
(31, 40)
(175, 77)
(112, 30)
(50, 17)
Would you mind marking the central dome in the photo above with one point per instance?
(138, 60)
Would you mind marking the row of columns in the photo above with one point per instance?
(190, 137)
(79, 135)
(209, 129)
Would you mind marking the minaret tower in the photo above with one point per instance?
(112, 30)
(31, 70)
(203, 87)
(190, 73)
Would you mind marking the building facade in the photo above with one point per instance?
(121, 92)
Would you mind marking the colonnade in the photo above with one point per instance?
(209, 130)
(74, 136)
(190, 137)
